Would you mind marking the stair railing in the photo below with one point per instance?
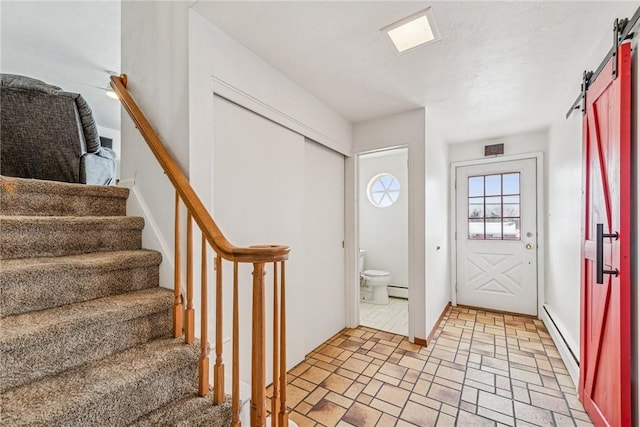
(259, 256)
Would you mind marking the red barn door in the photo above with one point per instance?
(605, 348)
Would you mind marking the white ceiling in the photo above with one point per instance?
(500, 68)
(71, 44)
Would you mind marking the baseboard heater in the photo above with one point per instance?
(398, 291)
(568, 357)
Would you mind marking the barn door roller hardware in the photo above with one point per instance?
(621, 32)
(618, 28)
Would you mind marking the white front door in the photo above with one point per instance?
(496, 236)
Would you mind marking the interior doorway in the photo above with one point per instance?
(383, 240)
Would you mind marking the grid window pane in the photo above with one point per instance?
(476, 207)
(493, 207)
(493, 228)
(511, 183)
(394, 185)
(476, 229)
(511, 228)
(511, 206)
(378, 197)
(493, 185)
(476, 186)
(377, 187)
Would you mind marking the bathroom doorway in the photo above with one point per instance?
(383, 240)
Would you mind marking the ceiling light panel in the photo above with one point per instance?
(413, 31)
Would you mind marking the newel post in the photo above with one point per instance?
(258, 360)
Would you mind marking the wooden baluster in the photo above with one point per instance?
(203, 367)
(190, 314)
(275, 398)
(258, 365)
(218, 369)
(177, 291)
(283, 416)
(235, 392)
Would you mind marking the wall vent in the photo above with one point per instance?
(493, 150)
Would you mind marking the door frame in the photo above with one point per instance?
(540, 218)
(353, 286)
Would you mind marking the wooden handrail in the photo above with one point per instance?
(219, 243)
(259, 256)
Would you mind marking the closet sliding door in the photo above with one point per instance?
(271, 185)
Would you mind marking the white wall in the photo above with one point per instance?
(564, 210)
(527, 142)
(564, 184)
(154, 56)
(221, 64)
(174, 60)
(564, 201)
(218, 63)
(384, 231)
(70, 44)
(392, 131)
(437, 254)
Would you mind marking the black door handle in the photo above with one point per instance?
(600, 271)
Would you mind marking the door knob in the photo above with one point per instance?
(529, 246)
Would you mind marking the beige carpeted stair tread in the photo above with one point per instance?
(191, 411)
(114, 309)
(30, 284)
(19, 196)
(15, 185)
(37, 344)
(33, 236)
(109, 260)
(114, 391)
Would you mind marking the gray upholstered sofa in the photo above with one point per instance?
(47, 133)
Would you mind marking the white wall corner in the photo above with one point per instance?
(352, 312)
(152, 237)
(563, 348)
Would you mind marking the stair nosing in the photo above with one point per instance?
(13, 331)
(68, 218)
(71, 224)
(63, 188)
(55, 264)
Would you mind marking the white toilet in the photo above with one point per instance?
(373, 283)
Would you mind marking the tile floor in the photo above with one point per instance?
(481, 369)
(393, 317)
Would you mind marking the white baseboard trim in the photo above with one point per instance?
(565, 352)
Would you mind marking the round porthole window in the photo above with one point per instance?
(383, 190)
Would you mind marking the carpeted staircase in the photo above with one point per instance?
(85, 333)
